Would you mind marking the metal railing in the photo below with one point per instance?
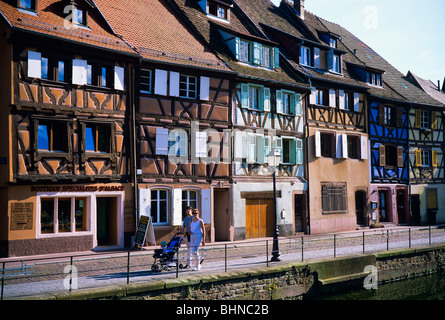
(97, 269)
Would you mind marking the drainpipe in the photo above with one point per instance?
(133, 140)
(409, 174)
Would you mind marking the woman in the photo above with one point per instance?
(186, 225)
(197, 236)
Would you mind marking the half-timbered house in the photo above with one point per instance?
(337, 141)
(64, 108)
(267, 114)
(404, 125)
(182, 101)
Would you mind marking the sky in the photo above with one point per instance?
(409, 34)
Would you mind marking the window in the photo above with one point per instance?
(305, 56)
(52, 136)
(333, 198)
(255, 97)
(79, 17)
(145, 81)
(327, 143)
(89, 74)
(288, 102)
(424, 119)
(266, 57)
(391, 156)
(61, 71)
(106, 77)
(353, 147)
(45, 68)
(159, 206)
(349, 101)
(374, 78)
(97, 138)
(189, 199)
(426, 158)
(58, 215)
(177, 143)
(244, 51)
(431, 199)
(27, 4)
(336, 64)
(321, 97)
(333, 42)
(288, 151)
(188, 86)
(389, 116)
(218, 10)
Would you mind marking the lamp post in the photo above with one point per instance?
(273, 160)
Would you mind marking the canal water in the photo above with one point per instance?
(430, 287)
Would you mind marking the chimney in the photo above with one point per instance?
(443, 87)
(438, 85)
(299, 7)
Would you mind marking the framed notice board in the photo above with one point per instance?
(142, 230)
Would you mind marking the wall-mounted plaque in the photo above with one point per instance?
(21, 216)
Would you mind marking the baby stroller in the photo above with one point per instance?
(165, 257)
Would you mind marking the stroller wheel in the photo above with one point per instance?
(165, 268)
(155, 268)
(181, 266)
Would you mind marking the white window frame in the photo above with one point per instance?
(185, 80)
(158, 207)
(305, 56)
(146, 80)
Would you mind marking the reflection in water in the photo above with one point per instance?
(431, 287)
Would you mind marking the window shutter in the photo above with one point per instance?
(266, 106)
(299, 151)
(332, 98)
(251, 148)
(317, 144)
(240, 150)
(356, 102)
(277, 57)
(317, 57)
(382, 156)
(313, 96)
(363, 147)
(257, 53)
(298, 106)
(244, 95)
(331, 60)
(237, 48)
(205, 88)
(201, 144)
(399, 117)
(341, 146)
(161, 82)
(418, 158)
(79, 72)
(34, 64)
(400, 157)
(418, 118)
(260, 143)
(341, 99)
(434, 158)
(279, 101)
(174, 84)
(279, 147)
(119, 78)
(161, 141)
(267, 147)
(381, 114)
(433, 120)
(177, 207)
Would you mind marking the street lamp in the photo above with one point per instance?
(273, 160)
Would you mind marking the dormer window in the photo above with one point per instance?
(333, 42)
(216, 8)
(27, 4)
(252, 52)
(374, 79)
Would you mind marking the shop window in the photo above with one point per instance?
(57, 215)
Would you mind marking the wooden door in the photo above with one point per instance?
(259, 218)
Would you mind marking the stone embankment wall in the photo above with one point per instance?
(284, 281)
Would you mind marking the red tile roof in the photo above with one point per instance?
(50, 17)
(157, 32)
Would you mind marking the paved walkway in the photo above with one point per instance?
(241, 255)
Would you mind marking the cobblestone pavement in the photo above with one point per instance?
(51, 275)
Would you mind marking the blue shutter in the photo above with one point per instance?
(331, 60)
(277, 57)
(299, 151)
(266, 106)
